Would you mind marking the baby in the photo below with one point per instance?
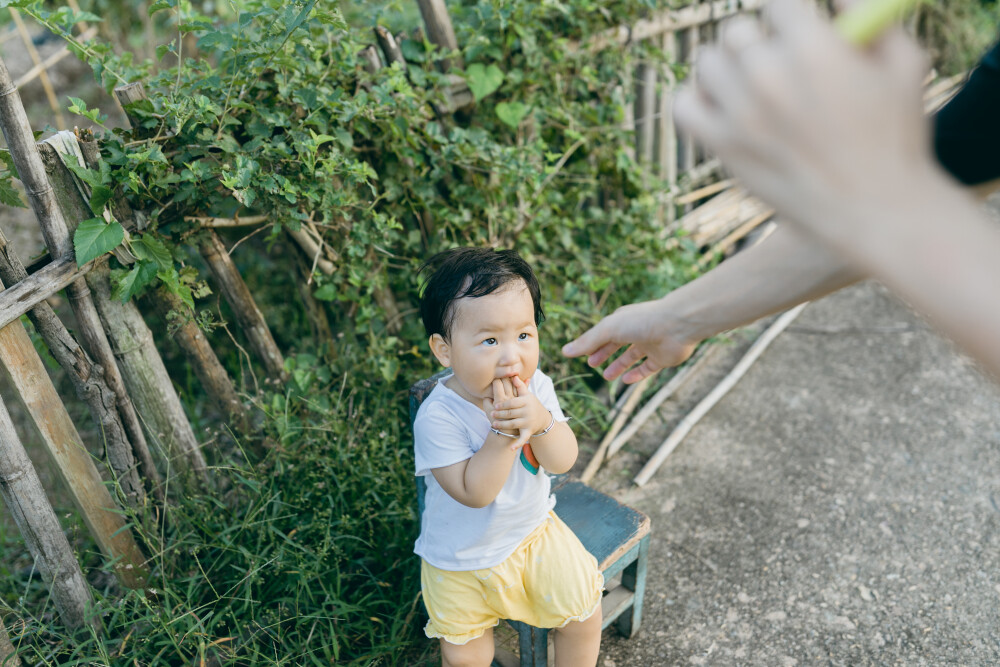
(490, 545)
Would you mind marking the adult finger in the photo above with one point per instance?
(641, 372)
(589, 341)
(629, 358)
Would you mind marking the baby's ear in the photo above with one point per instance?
(441, 349)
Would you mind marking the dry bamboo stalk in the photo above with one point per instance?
(369, 59)
(122, 453)
(440, 31)
(71, 459)
(228, 222)
(706, 404)
(689, 371)
(210, 372)
(665, 21)
(312, 251)
(707, 191)
(722, 246)
(51, 61)
(24, 496)
(645, 114)
(667, 147)
(390, 49)
(43, 75)
(7, 655)
(33, 290)
(688, 152)
(594, 465)
(248, 316)
(145, 377)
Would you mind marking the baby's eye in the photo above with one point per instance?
(523, 336)
(490, 341)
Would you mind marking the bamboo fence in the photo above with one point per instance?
(115, 367)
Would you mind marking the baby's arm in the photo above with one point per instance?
(556, 451)
(475, 482)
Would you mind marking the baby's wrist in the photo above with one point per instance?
(549, 423)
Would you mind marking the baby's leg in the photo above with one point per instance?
(579, 642)
(478, 652)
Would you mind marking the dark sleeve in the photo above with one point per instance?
(967, 128)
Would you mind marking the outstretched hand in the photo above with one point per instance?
(645, 329)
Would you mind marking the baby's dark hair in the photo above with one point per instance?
(470, 272)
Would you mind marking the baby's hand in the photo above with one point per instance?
(521, 412)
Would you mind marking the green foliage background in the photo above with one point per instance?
(265, 108)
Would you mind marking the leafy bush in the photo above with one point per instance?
(309, 552)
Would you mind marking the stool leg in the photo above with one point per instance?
(533, 644)
(634, 578)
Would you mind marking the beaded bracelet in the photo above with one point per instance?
(552, 422)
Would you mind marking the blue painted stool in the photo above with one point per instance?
(617, 536)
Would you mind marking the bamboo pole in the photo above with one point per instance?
(707, 191)
(43, 74)
(51, 61)
(633, 400)
(707, 403)
(149, 386)
(645, 114)
(8, 658)
(27, 371)
(688, 151)
(440, 31)
(248, 315)
(24, 496)
(667, 145)
(210, 372)
(390, 49)
(734, 236)
(685, 374)
(34, 289)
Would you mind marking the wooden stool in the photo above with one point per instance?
(617, 536)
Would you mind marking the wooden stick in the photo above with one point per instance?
(122, 452)
(39, 286)
(390, 49)
(248, 316)
(706, 404)
(26, 368)
(51, 61)
(7, 656)
(228, 222)
(312, 250)
(645, 114)
(637, 390)
(24, 496)
(440, 31)
(706, 191)
(734, 236)
(667, 145)
(43, 74)
(689, 371)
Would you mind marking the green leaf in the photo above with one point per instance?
(327, 292)
(217, 40)
(512, 113)
(130, 284)
(94, 237)
(148, 247)
(9, 196)
(171, 280)
(483, 80)
(161, 4)
(98, 198)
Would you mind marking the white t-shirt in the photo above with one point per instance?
(454, 537)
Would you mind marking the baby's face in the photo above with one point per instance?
(492, 336)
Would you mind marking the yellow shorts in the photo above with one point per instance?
(548, 581)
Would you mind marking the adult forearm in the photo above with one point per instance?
(783, 270)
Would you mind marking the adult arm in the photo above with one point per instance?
(835, 139)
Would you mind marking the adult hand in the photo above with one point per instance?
(646, 329)
(823, 130)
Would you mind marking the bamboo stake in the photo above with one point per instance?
(734, 236)
(440, 31)
(390, 49)
(688, 152)
(248, 315)
(7, 655)
(707, 403)
(645, 114)
(667, 148)
(598, 458)
(246, 221)
(28, 373)
(51, 61)
(707, 191)
(23, 494)
(34, 289)
(689, 371)
(50, 92)
(143, 372)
